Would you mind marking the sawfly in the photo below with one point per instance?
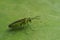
(21, 23)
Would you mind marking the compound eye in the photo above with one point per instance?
(29, 20)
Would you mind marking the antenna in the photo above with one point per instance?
(36, 17)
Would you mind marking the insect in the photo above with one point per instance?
(21, 23)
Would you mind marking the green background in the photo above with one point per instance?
(46, 28)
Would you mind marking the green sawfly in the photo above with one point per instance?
(21, 23)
